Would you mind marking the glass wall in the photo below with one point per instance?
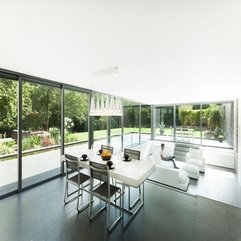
(131, 117)
(101, 136)
(217, 124)
(76, 106)
(145, 123)
(164, 125)
(41, 121)
(202, 124)
(188, 124)
(116, 132)
(8, 135)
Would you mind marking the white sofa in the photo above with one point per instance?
(165, 173)
(195, 157)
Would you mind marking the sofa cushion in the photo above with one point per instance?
(182, 176)
(167, 164)
(156, 155)
(195, 162)
(152, 159)
(195, 153)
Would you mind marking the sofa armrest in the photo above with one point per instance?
(168, 176)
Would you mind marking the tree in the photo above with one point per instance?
(76, 108)
(8, 105)
(215, 114)
(185, 112)
(40, 104)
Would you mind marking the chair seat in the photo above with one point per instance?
(83, 178)
(102, 190)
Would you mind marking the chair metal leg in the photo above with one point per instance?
(67, 194)
(83, 206)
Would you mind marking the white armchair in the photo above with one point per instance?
(195, 157)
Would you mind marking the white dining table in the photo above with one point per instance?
(131, 173)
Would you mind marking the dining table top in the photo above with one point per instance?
(132, 173)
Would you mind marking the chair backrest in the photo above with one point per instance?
(132, 153)
(109, 148)
(72, 163)
(195, 153)
(99, 171)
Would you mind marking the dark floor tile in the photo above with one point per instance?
(39, 214)
(233, 212)
(172, 228)
(158, 195)
(181, 208)
(235, 228)
(204, 232)
(24, 224)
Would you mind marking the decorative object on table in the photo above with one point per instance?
(100, 151)
(105, 155)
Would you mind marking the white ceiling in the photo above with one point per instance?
(166, 51)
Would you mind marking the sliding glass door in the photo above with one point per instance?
(41, 121)
(131, 136)
(188, 124)
(145, 123)
(116, 132)
(8, 135)
(164, 125)
(75, 121)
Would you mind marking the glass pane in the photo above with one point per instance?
(41, 132)
(131, 124)
(145, 123)
(164, 123)
(217, 123)
(75, 121)
(8, 135)
(100, 131)
(115, 125)
(188, 124)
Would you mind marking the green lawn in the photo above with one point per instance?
(83, 136)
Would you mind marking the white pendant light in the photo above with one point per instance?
(106, 105)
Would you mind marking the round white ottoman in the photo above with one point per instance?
(192, 170)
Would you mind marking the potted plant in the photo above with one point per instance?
(220, 138)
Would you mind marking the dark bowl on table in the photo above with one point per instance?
(84, 156)
(126, 157)
(109, 163)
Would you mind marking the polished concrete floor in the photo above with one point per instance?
(217, 183)
(39, 214)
